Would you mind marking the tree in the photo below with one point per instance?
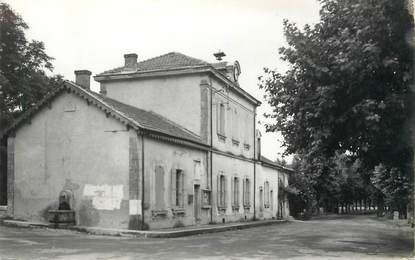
(23, 66)
(346, 90)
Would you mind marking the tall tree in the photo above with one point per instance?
(23, 66)
(346, 89)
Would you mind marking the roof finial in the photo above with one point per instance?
(219, 55)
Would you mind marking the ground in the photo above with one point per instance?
(357, 237)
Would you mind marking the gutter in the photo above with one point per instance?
(142, 180)
(211, 148)
(254, 167)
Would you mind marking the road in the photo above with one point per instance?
(359, 237)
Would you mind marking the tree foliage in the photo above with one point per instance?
(23, 66)
(346, 90)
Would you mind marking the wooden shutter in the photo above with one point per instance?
(181, 189)
(159, 187)
(219, 191)
(237, 191)
(225, 190)
(232, 191)
(173, 187)
(248, 187)
(218, 118)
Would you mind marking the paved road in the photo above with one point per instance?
(347, 238)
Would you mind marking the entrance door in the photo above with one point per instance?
(196, 209)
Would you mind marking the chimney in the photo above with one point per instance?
(130, 61)
(83, 78)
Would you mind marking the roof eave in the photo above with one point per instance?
(176, 71)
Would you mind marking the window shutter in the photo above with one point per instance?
(248, 187)
(237, 191)
(225, 184)
(219, 193)
(233, 191)
(218, 117)
(182, 189)
(173, 187)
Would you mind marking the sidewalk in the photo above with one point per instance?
(167, 233)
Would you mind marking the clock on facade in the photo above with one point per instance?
(236, 70)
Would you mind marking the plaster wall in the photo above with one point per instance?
(72, 146)
(270, 175)
(238, 138)
(177, 98)
(231, 167)
(172, 157)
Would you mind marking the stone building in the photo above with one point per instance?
(169, 141)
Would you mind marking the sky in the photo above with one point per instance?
(95, 34)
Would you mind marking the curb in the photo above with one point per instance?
(145, 233)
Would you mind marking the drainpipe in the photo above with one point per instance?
(142, 180)
(211, 147)
(254, 166)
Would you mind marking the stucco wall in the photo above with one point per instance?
(232, 167)
(177, 98)
(72, 146)
(235, 141)
(270, 175)
(171, 157)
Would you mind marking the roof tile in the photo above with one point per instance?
(167, 61)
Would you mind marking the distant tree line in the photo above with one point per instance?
(343, 106)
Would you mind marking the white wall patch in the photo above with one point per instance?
(135, 207)
(104, 197)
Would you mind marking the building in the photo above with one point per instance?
(169, 141)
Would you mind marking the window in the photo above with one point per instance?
(221, 119)
(178, 188)
(235, 193)
(246, 192)
(159, 187)
(266, 191)
(197, 170)
(221, 191)
(235, 125)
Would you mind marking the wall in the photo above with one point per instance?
(232, 167)
(177, 98)
(171, 157)
(237, 140)
(72, 146)
(270, 175)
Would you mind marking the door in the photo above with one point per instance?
(196, 203)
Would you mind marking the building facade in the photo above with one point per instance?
(168, 142)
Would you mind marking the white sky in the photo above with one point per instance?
(94, 35)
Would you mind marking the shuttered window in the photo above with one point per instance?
(159, 187)
(267, 195)
(177, 184)
(221, 119)
(221, 191)
(235, 192)
(246, 192)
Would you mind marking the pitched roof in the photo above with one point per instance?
(129, 115)
(274, 164)
(167, 61)
(151, 121)
(170, 64)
